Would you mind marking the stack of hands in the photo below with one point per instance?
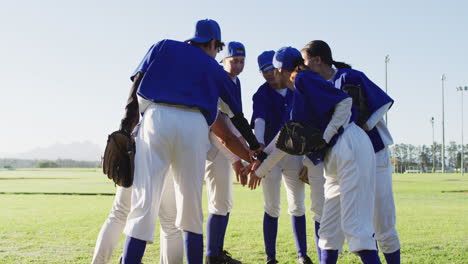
(243, 172)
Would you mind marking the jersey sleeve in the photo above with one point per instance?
(147, 60)
(232, 105)
(375, 97)
(259, 107)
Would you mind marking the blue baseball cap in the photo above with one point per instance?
(285, 57)
(206, 30)
(234, 49)
(265, 60)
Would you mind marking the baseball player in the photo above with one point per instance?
(171, 242)
(218, 176)
(271, 109)
(318, 56)
(174, 132)
(347, 153)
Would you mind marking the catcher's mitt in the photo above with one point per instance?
(118, 160)
(304, 175)
(298, 139)
(359, 102)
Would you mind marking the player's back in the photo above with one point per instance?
(182, 74)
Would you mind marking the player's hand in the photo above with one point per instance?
(253, 153)
(365, 127)
(237, 167)
(254, 180)
(251, 167)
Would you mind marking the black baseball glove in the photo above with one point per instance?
(298, 139)
(359, 103)
(118, 160)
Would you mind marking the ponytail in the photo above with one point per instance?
(299, 65)
(321, 49)
(341, 65)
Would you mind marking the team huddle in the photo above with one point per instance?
(185, 115)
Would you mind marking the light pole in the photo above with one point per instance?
(387, 60)
(461, 89)
(433, 146)
(443, 126)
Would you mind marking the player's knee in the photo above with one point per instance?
(272, 211)
(297, 210)
(118, 216)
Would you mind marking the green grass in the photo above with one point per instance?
(54, 226)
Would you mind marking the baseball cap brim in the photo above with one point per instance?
(267, 68)
(198, 39)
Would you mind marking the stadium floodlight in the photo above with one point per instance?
(461, 89)
(387, 60)
(433, 146)
(443, 78)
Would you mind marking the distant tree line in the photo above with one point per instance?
(427, 158)
(59, 163)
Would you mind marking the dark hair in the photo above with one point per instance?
(218, 44)
(320, 48)
(299, 65)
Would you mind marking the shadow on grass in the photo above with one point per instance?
(456, 191)
(57, 193)
(34, 178)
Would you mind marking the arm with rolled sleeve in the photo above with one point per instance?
(340, 117)
(274, 156)
(223, 149)
(234, 111)
(259, 130)
(377, 116)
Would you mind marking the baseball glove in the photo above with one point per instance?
(118, 160)
(298, 139)
(304, 175)
(359, 103)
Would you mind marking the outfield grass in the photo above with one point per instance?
(54, 216)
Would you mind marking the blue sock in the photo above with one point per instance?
(214, 226)
(223, 231)
(133, 252)
(193, 247)
(317, 228)
(369, 256)
(393, 258)
(299, 230)
(270, 231)
(328, 256)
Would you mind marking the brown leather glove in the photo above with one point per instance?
(118, 160)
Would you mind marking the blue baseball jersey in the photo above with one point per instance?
(182, 74)
(237, 92)
(314, 103)
(375, 97)
(272, 107)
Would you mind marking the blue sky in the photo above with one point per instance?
(65, 64)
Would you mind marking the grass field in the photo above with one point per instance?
(54, 216)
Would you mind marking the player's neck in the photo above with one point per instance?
(233, 77)
(327, 73)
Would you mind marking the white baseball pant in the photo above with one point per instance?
(349, 193)
(218, 179)
(288, 167)
(316, 182)
(171, 248)
(384, 215)
(169, 136)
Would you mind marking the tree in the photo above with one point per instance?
(47, 164)
(458, 163)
